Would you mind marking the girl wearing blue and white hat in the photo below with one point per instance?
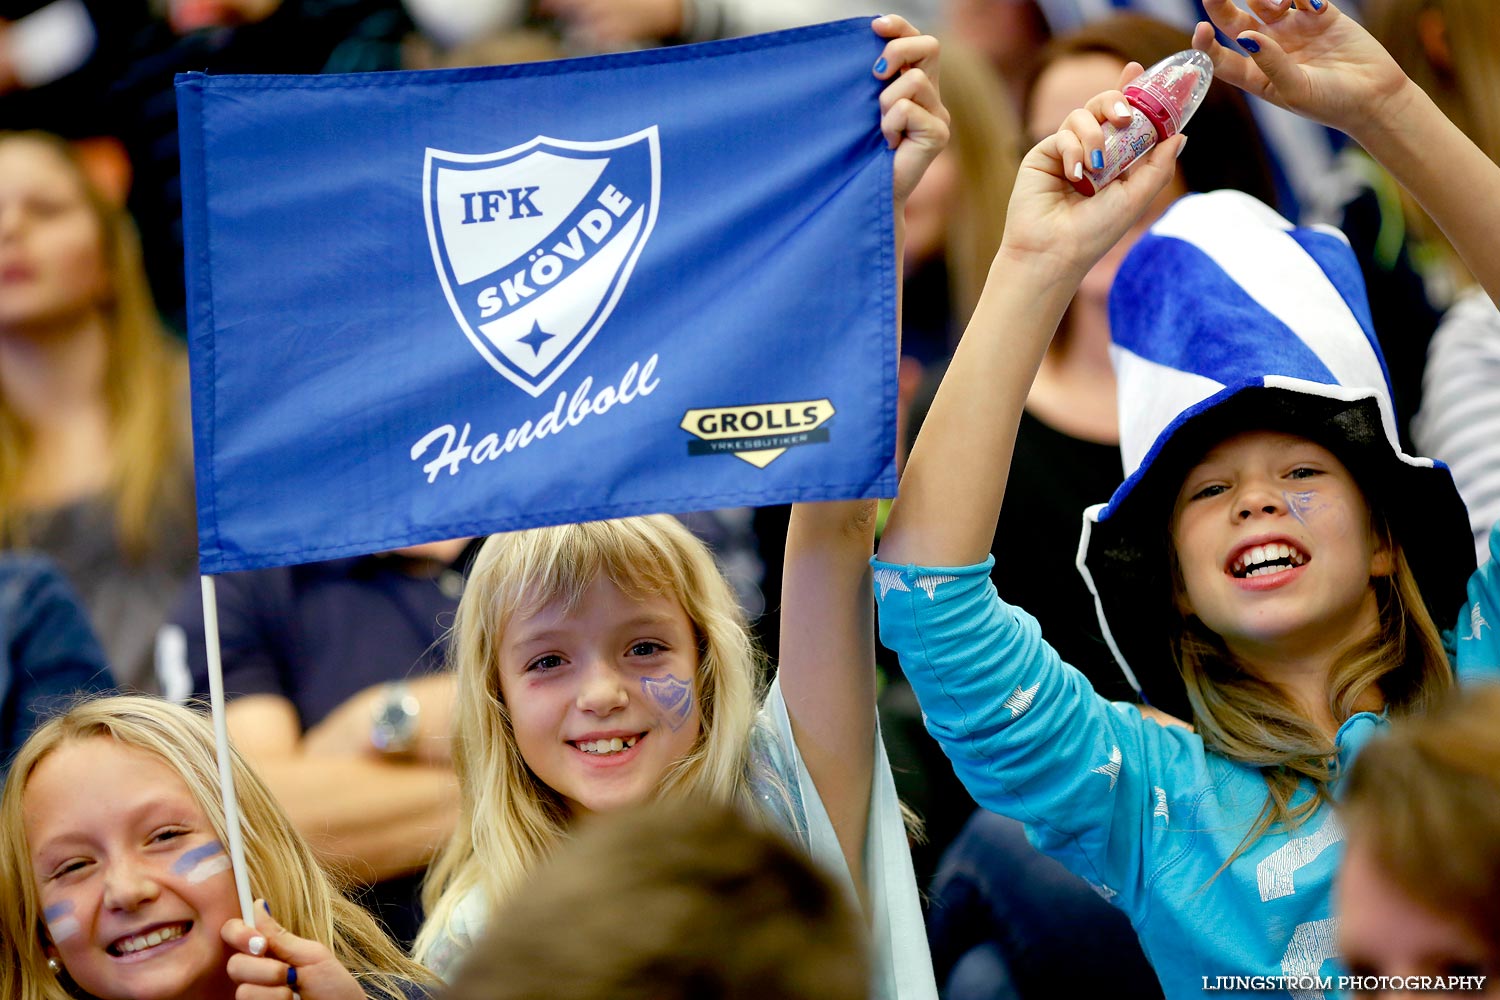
(1273, 566)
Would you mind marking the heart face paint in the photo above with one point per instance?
(672, 695)
(202, 862)
(61, 924)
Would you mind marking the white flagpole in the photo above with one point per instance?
(221, 741)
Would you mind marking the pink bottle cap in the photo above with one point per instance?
(1169, 92)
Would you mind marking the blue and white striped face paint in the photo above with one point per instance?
(202, 862)
(61, 924)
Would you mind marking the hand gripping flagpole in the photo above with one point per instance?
(221, 744)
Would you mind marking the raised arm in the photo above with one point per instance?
(1324, 65)
(827, 657)
(955, 478)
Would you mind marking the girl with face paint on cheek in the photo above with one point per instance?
(608, 664)
(1269, 569)
(124, 860)
(112, 831)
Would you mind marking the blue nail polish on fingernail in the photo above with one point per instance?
(1249, 44)
(880, 65)
(1316, 4)
(265, 906)
(1097, 160)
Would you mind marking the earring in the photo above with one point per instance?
(53, 964)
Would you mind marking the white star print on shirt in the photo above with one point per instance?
(1476, 623)
(1020, 700)
(932, 583)
(889, 580)
(1112, 768)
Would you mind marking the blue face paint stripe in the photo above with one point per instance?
(61, 924)
(191, 859)
(1298, 503)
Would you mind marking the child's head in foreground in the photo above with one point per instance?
(1418, 891)
(686, 900)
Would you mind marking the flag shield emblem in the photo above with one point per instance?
(534, 244)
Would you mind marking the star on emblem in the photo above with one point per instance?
(537, 337)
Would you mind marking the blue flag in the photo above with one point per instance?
(435, 304)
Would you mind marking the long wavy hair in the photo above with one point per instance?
(145, 388)
(283, 871)
(1253, 722)
(510, 821)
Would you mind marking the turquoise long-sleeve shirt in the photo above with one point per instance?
(1143, 812)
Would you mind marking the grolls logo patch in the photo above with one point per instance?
(534, 244)
(758, 433)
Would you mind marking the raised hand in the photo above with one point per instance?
(912, 117)
(1323, 65)
(275, 964)
(1049, 221)
(1308, 57)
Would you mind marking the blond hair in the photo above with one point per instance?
(1425, 799)
(1253, 722)
(510, 821)
(281, 867)
(145, 382)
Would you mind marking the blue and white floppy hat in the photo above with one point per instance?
(1226, 318)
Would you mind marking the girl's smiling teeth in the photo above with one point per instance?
(156, 936)
(1262, 560)
(615, 744)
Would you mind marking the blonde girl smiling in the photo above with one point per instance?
(1273, 566)
(112, 833)
(605, 664)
